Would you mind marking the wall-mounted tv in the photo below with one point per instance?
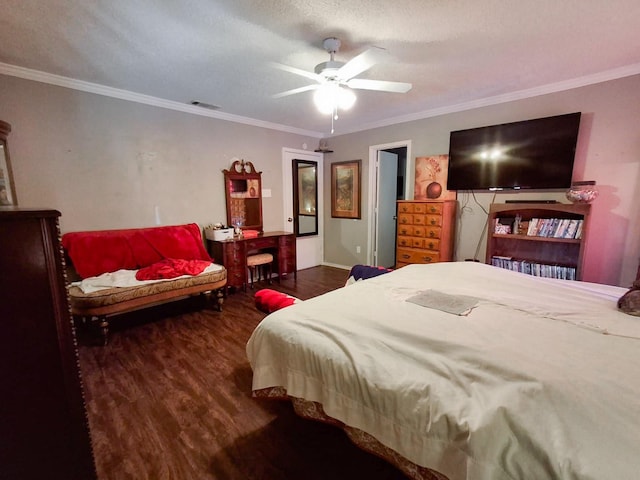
(531, 154)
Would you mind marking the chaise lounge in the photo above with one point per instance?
(118, 271)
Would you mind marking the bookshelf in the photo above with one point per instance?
(543, 239)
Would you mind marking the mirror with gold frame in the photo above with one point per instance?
(243, 191)
(7, 187)
(305, 197)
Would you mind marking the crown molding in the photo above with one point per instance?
(98, 89)
(584, 81)
(60, 81)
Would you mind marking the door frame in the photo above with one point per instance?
(372, 212)
(309, 249)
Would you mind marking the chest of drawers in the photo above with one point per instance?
(425, 231)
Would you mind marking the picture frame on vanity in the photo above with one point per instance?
(346, 189)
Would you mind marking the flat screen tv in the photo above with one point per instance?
(531, 154)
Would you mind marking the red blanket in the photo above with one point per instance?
(97, 252)
(171, 268)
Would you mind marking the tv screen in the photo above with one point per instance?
(532, 154)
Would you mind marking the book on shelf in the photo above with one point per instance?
(533, 268)
(571, 229)
(561, 230)
(579, 230)
(555, 228)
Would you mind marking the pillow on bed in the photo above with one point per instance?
(362, 272)
(630, 301)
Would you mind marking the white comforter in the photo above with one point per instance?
(540, 380)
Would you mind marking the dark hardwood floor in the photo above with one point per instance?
(170, 398)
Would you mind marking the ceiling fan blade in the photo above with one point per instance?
(295, 90)
(362, 62)
(381, 85)
(298, 71)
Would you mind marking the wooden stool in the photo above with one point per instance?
(264, 260)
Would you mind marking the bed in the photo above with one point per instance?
(527, 378)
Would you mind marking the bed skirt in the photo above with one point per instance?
(314, 411)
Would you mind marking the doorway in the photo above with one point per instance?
(389, 180)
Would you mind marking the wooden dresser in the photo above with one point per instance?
(44, 431)
(425, 231)
(233, 255)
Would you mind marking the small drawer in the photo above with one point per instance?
(405, 219)
(432, 244)
(420, 208)
(417, 242)
(433, 220)
(432, 232)
(434, 208)
(405, 208)
(404, 241)
(418, 219)
(406, 230)
(419, 231)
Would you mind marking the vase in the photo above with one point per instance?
(434, 190)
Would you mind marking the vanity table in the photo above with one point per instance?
(233, 254)
(243, 191)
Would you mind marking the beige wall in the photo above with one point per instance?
(107, 163)
(608, 152)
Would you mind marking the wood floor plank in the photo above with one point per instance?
(170, 398)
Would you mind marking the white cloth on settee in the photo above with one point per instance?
(127, 278)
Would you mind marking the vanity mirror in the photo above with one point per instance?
(7, 188)
(305, 197)
(243, 190)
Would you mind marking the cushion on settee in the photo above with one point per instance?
(96, 252)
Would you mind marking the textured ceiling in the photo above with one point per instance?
(220, 52)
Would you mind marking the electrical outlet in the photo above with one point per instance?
(358, 249)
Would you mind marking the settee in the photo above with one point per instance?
(116, 271)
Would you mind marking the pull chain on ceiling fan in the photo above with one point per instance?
(336, 80)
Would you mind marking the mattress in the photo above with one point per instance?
(537, 379)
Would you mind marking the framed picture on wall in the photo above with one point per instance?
(431, 178)
(345, 189)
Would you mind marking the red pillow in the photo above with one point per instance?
(268, 300)
(95, 253)
(179, 241)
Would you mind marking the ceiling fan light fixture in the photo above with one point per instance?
(331, 96)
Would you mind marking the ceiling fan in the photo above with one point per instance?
(333, 76)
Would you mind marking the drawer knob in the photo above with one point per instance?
(405, 256)
(431, 245)
(426, 259)
(432, 234)
(433, 222)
